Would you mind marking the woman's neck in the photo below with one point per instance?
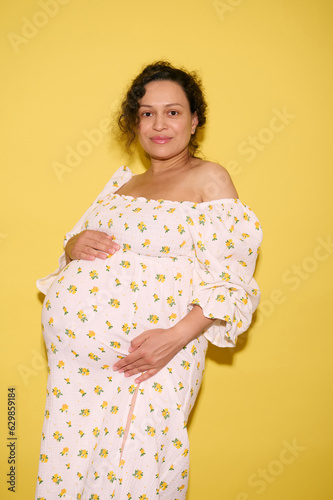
(176, 164)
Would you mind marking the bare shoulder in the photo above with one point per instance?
(215, 182)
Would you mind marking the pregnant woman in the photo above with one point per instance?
(160, 264)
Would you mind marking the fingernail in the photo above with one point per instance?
(112, 251)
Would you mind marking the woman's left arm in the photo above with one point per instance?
(153, 349)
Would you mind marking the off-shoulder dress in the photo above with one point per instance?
(104, 436)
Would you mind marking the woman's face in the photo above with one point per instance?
(165, 120)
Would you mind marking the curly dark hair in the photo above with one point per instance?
(160, 70)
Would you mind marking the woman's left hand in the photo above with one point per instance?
(149, 352)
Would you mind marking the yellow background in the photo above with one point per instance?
(258, 59)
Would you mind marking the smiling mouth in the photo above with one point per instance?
(160, 139)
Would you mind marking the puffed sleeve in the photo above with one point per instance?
(121, 176)
(226, 239)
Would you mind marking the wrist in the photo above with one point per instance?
(191, 326)
(67, 257)
(181, 335)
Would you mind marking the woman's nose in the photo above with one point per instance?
(159, 122)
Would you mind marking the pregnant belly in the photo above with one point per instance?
(93, 310)
(114, 300)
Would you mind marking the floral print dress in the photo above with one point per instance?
(103, 436)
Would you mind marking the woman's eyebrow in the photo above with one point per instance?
(171, 104)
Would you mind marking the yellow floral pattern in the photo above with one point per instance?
(103, 437)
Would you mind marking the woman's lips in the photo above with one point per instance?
(161, 139)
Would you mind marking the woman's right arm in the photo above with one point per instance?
(89, 245)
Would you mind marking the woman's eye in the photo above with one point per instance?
(147, 113)
(173, 112)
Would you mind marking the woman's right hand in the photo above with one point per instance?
(90, 244)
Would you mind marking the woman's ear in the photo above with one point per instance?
(195, 121)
